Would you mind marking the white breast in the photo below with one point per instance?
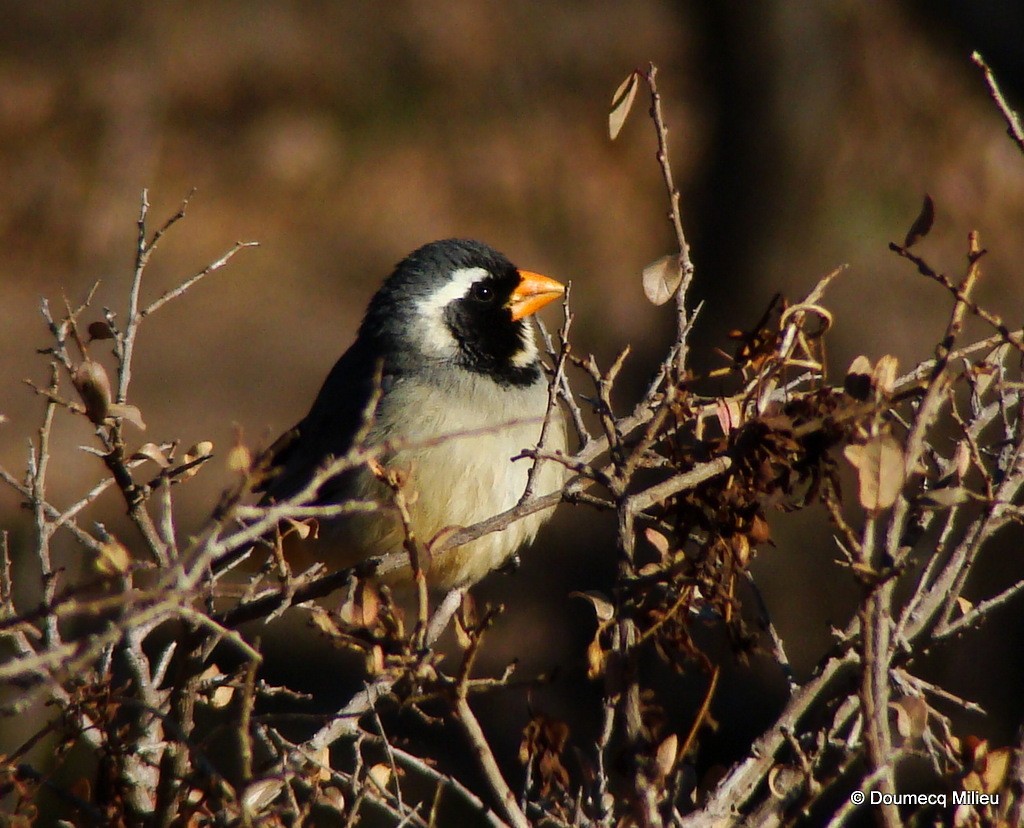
(464, 479)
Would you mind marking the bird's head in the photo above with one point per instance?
(461, 302)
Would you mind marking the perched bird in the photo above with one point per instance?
(449, 340)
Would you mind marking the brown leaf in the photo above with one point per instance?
(730, 415)
(622, 102)
(202, 449)
(380, 775)
(595, 659)
(945, 498)
(883, 378)
(665, 757)
(922, 224)
(657, 540)
(603, 608)
(880, 470)
(151, 451)
(93, 385)
(857, 382)
(661, 279)
(323, 760)
(911, 718)
(100, 330)
(128, 413)
(239, 459)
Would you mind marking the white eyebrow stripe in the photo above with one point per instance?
(438, 340)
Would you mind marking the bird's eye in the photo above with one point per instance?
(482, 293)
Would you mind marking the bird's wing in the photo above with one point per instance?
(326, 432)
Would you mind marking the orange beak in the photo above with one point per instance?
(532, 293)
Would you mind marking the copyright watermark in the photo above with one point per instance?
(942, 799)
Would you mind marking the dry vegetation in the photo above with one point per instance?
(127, 660)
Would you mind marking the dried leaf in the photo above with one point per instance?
(997, 767)
(100, 330)
(259, 794)
(945, 498)
(239, 459)
(883, 378)
(665, 757)
(375, 660)
(595, 659)
(603, 608)
(128, 413)
(380, 775)
(657, 540)
(323, 759)
(992, 361)
(880, 471)
(622, 102)
(199, 451)
(964, 605)
(151, 451)
(204, 448)
(962, 459)
(911, 717)
(93, 385)
(661, 279)
(322, 620)
(741, 549)
(760, 531)
(222, 696)
(302, 528)
(113, 558)
(857, 382)
(730, 415)
(782, 779)
(922, 224)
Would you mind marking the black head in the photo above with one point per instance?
(462, 302)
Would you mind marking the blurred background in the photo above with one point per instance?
(342, 135)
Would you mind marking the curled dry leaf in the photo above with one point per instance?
(661, 279)
(622, 102)
(200, 451)
(730, 415)
(93, 386)
(603, 608)
(151, 451)
(128, 413)
(945, 498)
(880, 469)
(783, 779)
(302, 528)
(922, 224)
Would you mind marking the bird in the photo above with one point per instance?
(446, 348)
